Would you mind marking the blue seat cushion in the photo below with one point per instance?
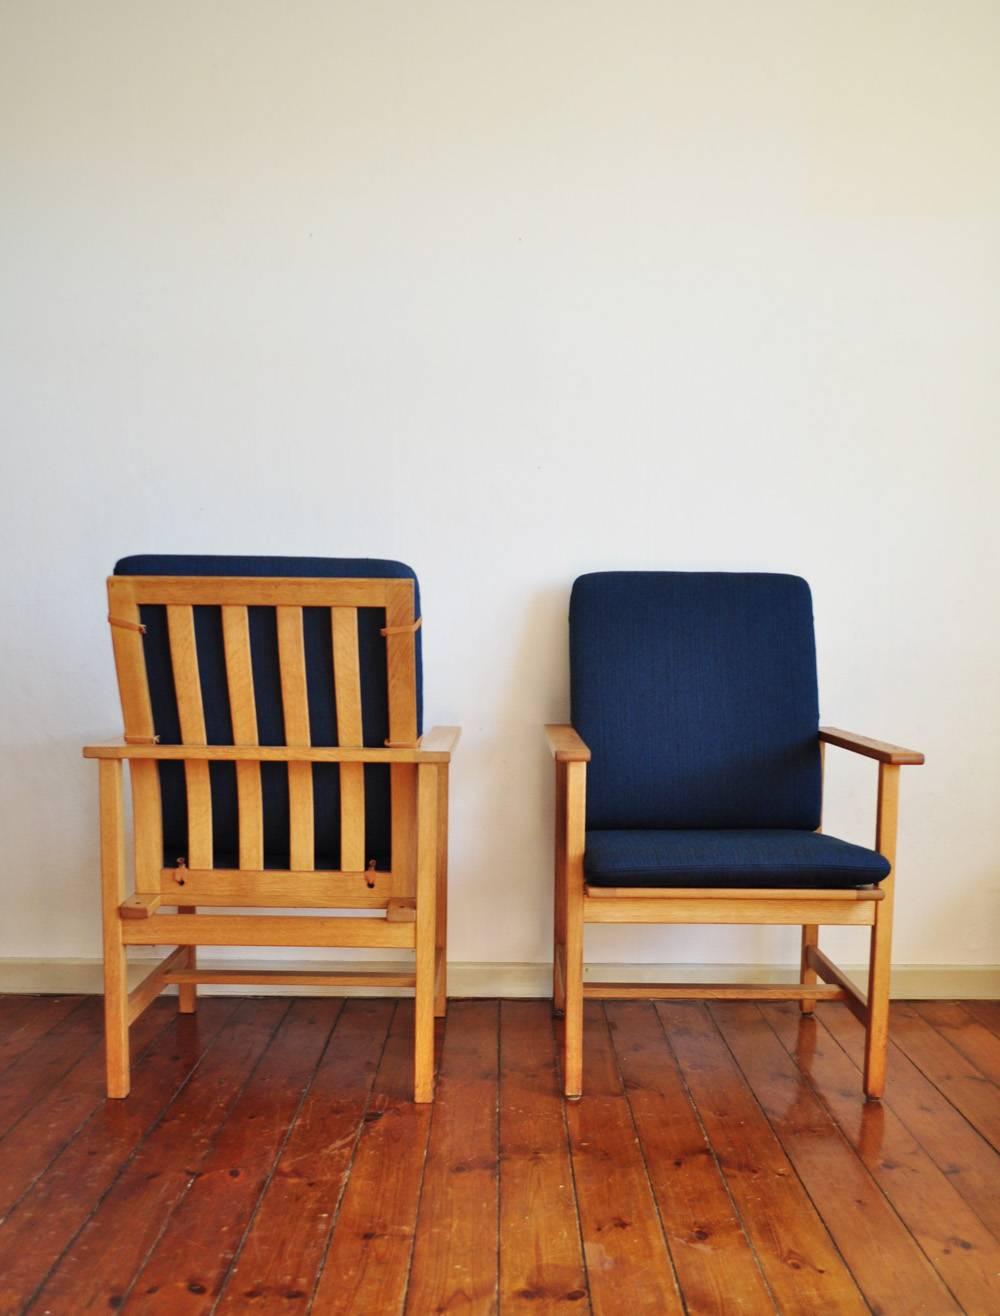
(696, 692)
(743, 857)
(270, 717)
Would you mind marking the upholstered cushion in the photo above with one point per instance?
(739, 858)
(696, 693)
(267, 690)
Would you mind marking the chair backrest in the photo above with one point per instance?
(269, 651)
(696, 692)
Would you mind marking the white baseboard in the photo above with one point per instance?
(909, 981)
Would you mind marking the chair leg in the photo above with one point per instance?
(573, 907)
(112, 894)
(559, 902)
(187, 992)
(441, 935)
(877, 1031)
(807, 976)
(426, 928)
(880, 958)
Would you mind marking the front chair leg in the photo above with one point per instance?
(572, 870)
(880, 959)
(112, 894)
(425, 933)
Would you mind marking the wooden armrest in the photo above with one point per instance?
(565, 744)
(873, 749)
(440, 740)
(271, 753)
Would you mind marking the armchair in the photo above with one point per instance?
(689, 790)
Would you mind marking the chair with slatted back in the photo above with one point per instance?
(272, 711)
(689, 790)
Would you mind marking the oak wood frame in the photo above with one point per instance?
(405, 908)
(577, 904)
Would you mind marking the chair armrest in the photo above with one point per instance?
(440, 740)
(422, 753)
(873, 749)
(565, 744)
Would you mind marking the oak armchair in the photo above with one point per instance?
(272, 711)
(689, 790)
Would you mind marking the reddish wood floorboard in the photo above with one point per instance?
(368, 1261)
(98, 1272)
(541, 1256)
(962, 1249)
(34, 1073)
(281, 1255)
(26, 1018)
(454, 1266)
(803, 1268)
(965, 1086)
(184, 1273)
(889, 1267)
(955, 1147)
(722, 1161)
(966, 1034)
(716, 1267)
(628, 1263)
(41, 1133)
(46, 1221)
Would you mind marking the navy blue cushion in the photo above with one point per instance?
(762, 857)
(267, 690)
(696, 692)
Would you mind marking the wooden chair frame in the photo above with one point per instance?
(404, 908)
(577, 904)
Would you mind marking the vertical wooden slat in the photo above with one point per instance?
(294, 699)
(243, 708)
(137, 715)
(347, 689)
(402, 690)
(187, 686)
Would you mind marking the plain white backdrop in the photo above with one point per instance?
(512, 291)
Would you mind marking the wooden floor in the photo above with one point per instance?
(269, 1160)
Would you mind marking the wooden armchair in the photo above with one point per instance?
(689, 790)
(272, 712)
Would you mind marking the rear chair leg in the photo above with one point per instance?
(112, 895)
(441, 935)
(808, 976)
(187, 992)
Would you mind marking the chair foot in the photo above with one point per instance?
(558, 1012)
(573, 1096)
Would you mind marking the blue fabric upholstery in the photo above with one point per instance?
(267, 689)
(761, 857)
(696, 693)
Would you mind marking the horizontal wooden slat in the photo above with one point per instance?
(279, 888)
(264, 930)
(260, 591)
(708, 910)
(153, 983)
(266, 753)
(857, 1001)
(710, 991)
(291, 978)
(666, 894)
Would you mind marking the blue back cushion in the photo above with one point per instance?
(696, 692)
(270, 720)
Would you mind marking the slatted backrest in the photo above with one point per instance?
(269, 651)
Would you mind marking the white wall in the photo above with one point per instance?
(512, 291)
